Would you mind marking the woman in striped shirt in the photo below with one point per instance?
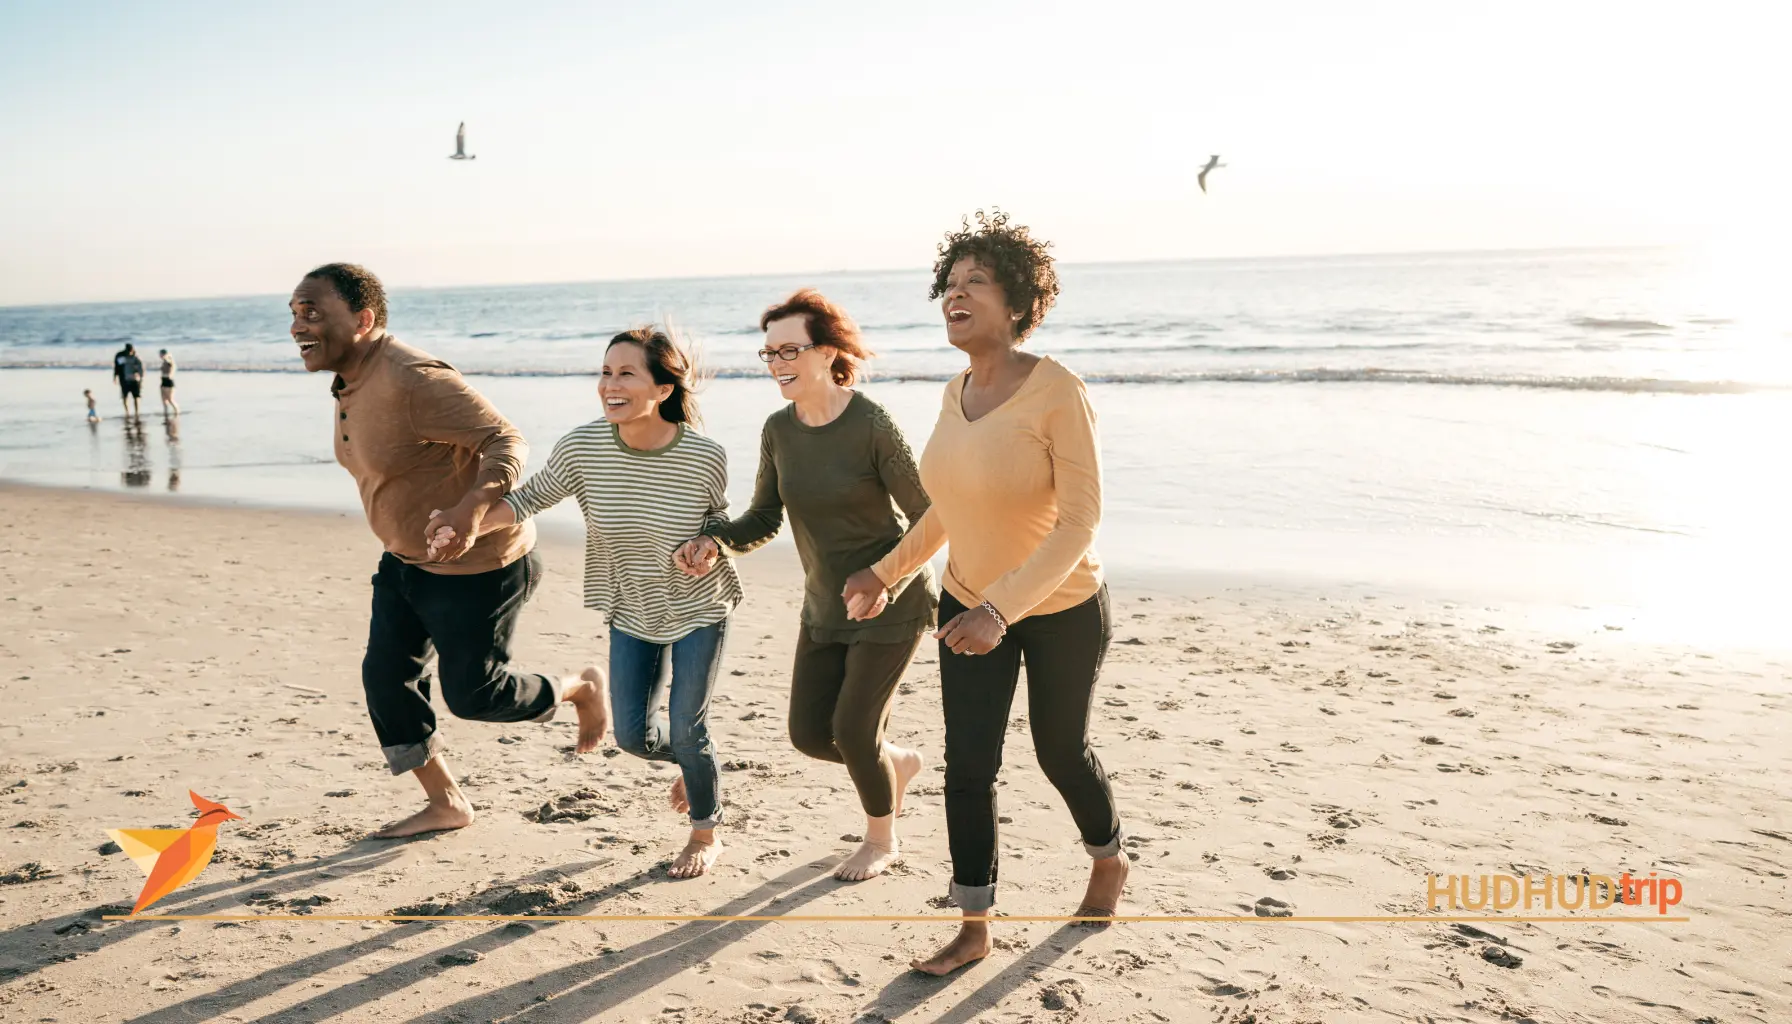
(646, 483)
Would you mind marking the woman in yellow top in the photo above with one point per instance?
(1014, 473)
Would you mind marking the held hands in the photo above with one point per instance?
(697, 556)
(451, 534)
(974, 631)
(865, 595)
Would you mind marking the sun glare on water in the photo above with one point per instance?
(1741, 280)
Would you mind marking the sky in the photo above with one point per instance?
(201, 149)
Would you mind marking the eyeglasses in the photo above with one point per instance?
(788, 353)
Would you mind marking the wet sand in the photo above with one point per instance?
(1326, 751)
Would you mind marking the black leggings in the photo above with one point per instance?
(1064, 652)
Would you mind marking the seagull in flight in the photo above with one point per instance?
(1201, 179)
(460, 146)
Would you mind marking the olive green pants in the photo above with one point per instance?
(840, 699)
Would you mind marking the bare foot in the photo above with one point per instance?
(969, 946)
(589, 694)
(676, 799)
(436, 817)
(1107, 881)
(881, 848)
(868, 861)
(908, 765)
(697, 857)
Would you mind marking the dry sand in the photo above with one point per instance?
(1327, 753)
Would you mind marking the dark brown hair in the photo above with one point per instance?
(1019, 262)
(668, 363)
(826, 324)
(356, 286)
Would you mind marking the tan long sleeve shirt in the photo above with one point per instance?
(1017, 493)
(416, 437)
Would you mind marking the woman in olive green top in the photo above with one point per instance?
(837, 461)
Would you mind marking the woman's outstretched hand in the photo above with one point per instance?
(697, 556)
(865, 595)
(440, 538)
(973, 631)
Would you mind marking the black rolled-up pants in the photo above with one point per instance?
(1063, 653)
(468, 622)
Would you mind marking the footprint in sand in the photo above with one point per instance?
(460, 958)
(828, 970)
(534, 898)
(1269, 906)
(1501, 957)
(1065, 994)
(579, 805)
(437, 907)
(30, 871)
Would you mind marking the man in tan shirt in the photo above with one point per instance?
(418, 439)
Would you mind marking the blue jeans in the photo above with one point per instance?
(641, 673)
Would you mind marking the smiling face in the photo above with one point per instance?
(627, 389)
(811, 372)
(324, 327)
(976, 308)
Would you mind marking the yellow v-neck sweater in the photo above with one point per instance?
(1017, 493)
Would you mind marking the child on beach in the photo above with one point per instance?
(93, 413)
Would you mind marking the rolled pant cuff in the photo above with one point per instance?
(554, 708)
(705, 824)
(1109, 848)
(974, 898)
(408, 757)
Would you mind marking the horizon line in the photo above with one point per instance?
(842, 272)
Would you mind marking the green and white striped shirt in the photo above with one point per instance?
(639, 507)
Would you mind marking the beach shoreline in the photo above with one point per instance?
(1325, 751)
(1644, 515)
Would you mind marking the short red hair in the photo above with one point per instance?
(826, 324)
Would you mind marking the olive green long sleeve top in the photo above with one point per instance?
(852, 489)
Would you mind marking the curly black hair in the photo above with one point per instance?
(1020, 263)
(355, 285)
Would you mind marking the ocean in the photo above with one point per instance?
(1577, 429)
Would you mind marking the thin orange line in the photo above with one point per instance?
(846, 918)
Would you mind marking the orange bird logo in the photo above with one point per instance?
(172, 857)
